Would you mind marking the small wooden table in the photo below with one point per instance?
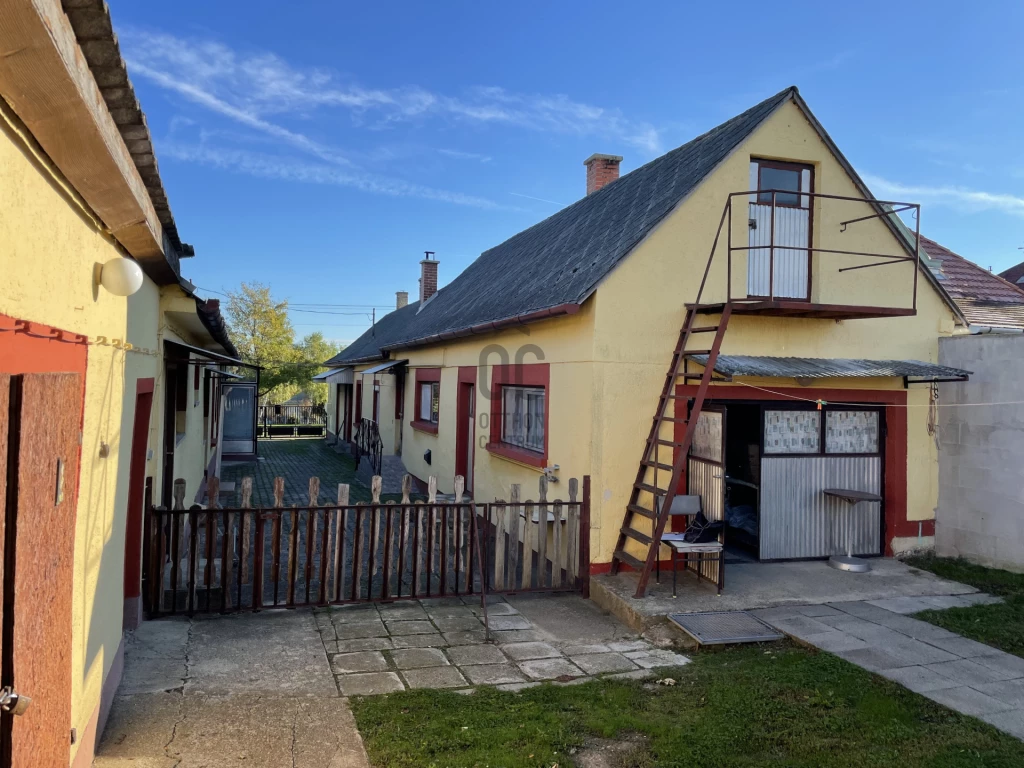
(848, 562)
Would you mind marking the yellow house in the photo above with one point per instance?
(110, 367)
(755, 250)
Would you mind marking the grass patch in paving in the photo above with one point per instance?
(743, 706)
(1000, 625)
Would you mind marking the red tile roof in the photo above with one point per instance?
(984, 298)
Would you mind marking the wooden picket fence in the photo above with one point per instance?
(212, 559)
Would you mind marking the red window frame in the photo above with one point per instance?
(524, 375)
(425, 376)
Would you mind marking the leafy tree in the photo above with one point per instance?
(312, 351)
(263, 335)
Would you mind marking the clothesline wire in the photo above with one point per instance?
(873, 405)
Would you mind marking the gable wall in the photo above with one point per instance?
(639, 310)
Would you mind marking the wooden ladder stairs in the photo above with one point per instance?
(657, 479)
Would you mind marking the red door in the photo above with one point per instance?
(464, 436)
(38, 481)
(136, 489)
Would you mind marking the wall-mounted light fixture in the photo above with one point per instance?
(121, 277)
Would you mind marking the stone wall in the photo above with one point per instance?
(981, 452)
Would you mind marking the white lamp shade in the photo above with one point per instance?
(121, 277)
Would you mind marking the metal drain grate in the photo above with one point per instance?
(721, 627)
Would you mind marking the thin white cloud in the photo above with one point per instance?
(459, 155)
(538, 199)
(249, 87)
(958, 198)
(286, 169)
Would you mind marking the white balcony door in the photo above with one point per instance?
(783, 272)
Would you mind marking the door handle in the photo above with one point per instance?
(13, 702)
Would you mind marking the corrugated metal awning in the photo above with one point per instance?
(831, 368)
(383, 367)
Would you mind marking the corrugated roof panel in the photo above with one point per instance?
(828, 368)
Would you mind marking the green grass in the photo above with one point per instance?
(1000, 625)
(745, 706)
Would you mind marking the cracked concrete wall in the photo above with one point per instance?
(981, 447)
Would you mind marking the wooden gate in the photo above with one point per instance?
(40, 419)
(223, 560)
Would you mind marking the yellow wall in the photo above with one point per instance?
(50, 244)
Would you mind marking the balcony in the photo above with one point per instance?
(805, 254)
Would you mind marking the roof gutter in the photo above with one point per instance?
(488, 327)
(976, 330)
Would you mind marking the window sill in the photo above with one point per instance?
(518, 455)
(424, 426)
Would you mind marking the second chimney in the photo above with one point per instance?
(428, 276)
(401, 299)
(601, 170)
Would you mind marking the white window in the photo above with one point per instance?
(430, 394)
(522, 417)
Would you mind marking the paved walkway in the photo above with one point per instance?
(439, 643)
(878, 635)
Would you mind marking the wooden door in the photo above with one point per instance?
(136, 493)
(779, 264)
(465, 436)
(41, 481)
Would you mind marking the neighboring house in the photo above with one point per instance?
(111, 396)
(988, 302)
(981, 421)
(549, 353)
(1014, 274)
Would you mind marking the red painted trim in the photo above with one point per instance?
(424, 426)
(521, 375)
(895, 449)
(464, 453)
(359, 399)
(494, 325)
(136, 487)
(425, 376)
(142, 386)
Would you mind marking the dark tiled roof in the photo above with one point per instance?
(1014, 275)
(211, 317)
(561, 260)
(984, 298)
(827, 368)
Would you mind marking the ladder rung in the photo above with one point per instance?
(692, 375)
(671, 419)
(705, 329)
(651, 489)
(632, 533)
(627, 558)
(657, 465)
(675, 397)
(659, 441)
(642, 511)
(689, 352)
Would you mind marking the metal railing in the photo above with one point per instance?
(369, 444)
(883, 210)
(292, 420)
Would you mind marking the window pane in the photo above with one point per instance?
(522, 418)
(792, 432)
(435, 401)
(425, 401)
(851, 432)
(779, 178)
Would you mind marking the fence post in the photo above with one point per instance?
(585, 538)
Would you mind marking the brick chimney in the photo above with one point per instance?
(401, 299)
(428, 276)
(601, 170)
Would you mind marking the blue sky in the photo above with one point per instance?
(321, 147)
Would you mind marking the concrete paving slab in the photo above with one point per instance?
(969, 672)
(420, 641)
(1011, 722)
(902, 604)
(918, 679)
(963, 647)
(397, 628)
(818, 611)
(915, 628)
(874, 659)
(623, 646)
(363, 661)
(524, 651)
(639, 674)
(917, 652)
(460, 624)
(834, 642)
(341, 614)
(492, 674)
(549, 669)
(876, 634)
(360, 630)
(435, 677)
(402, 612)
(1005, 663)
(569, 618)
(503, 637)
(656, 658)
(369, 683)
(464, 638)
(430, 603)
(517, 686)
(139, 726)
(497, 609)
(942, 602)
(504, 623)
(416, 658)
(1008, 691)
(800, 626)
(603, 663)
(862, 610)
(362, 644)
(968, 701)
(981, 598)
(276, 653)
(579, 650)
(465, 655)
(453, 612)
